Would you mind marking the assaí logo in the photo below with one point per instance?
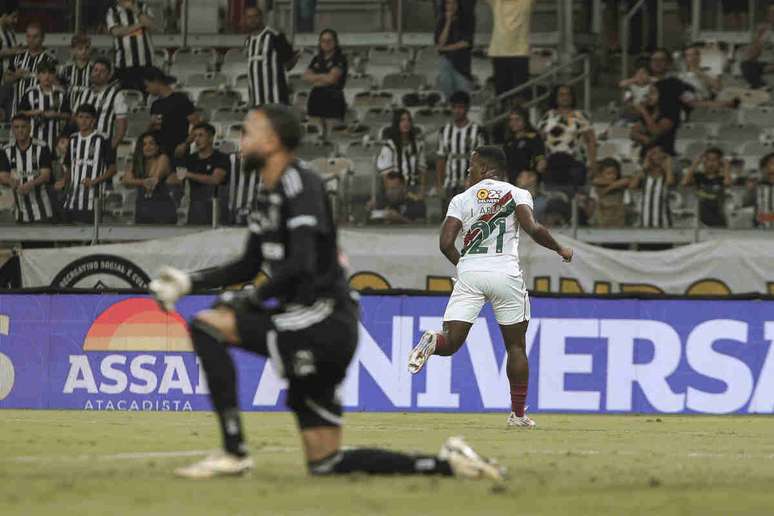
(136, 357)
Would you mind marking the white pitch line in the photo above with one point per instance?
(136, 455)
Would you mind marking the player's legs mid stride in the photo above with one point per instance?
(511, 304)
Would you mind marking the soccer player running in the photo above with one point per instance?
(310, 337)
(490, 213)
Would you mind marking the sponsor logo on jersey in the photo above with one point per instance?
(488, 196)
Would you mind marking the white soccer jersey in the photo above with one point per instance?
(489, 227)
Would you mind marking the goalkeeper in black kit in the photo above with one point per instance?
(310, 335)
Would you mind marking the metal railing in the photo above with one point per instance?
(552, 77)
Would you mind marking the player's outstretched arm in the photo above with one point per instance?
(172, 284)
(449, 231)
(539, 233)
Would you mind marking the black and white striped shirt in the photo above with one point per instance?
(109, 103)
(75, 79)
(87, 157)
(654, 205)
(455, 145)
(7, 40)
(409, 161)
(135, 49)
(27, 164)
(28, 62)
(35, 99)
(242, 185)
(764, 204)
(267, 53)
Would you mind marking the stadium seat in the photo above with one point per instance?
(336, 173)
(377, 117)
(210, 100)
(310, 150)
(693, 132)
(432, 119)
(360, 81)
(713, 115)
(206, 80)
(138, 123)
(367, 99)
(403, 81)
(762, 116)
(757, 148)
(739, 133)
(134, 100)
(228, 115)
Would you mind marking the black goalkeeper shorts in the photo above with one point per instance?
(310, 346)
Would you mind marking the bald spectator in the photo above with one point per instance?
(509, 47)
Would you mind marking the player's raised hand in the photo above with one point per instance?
(170, 286)
(566, 254)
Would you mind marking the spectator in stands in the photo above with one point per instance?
(205, 170)
(654, 180)
(46, 105)
(327, 73)
(753, 68)
(9, 49)
(565, 130)
(108, 99)
(269, 55)
(130, 23)
(90, 161)
(524, 148)
(674, 96)
(454, 41)
(635, 92)
(75, 76)
(148, 173)
(763, 193)
(654, 127)
(242, 185)
(402, 168)
(509, 46)
(57, 187)
(172, 113)
(24, 65)
(705, 85)
(25, 166)
(456, 141)
(607, 208)
(711, 182)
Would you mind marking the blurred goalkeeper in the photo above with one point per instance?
(311, 335)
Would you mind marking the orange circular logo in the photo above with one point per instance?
(482, 194)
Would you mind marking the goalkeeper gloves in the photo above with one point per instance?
(170, 286)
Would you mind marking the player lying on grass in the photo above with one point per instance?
(489, 214)
(310, 338)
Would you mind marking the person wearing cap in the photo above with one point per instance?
(172, 113)
(89, 162)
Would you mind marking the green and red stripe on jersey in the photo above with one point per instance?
(502, 208)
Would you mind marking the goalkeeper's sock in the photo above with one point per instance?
(375, 461)
(221, 378)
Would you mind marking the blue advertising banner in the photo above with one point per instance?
(109, 352)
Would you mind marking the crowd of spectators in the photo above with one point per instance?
(67, 116)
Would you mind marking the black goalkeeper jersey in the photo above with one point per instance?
(292, 237)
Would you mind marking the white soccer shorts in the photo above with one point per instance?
(506, 292)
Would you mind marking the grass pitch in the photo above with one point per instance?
(120, 463)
